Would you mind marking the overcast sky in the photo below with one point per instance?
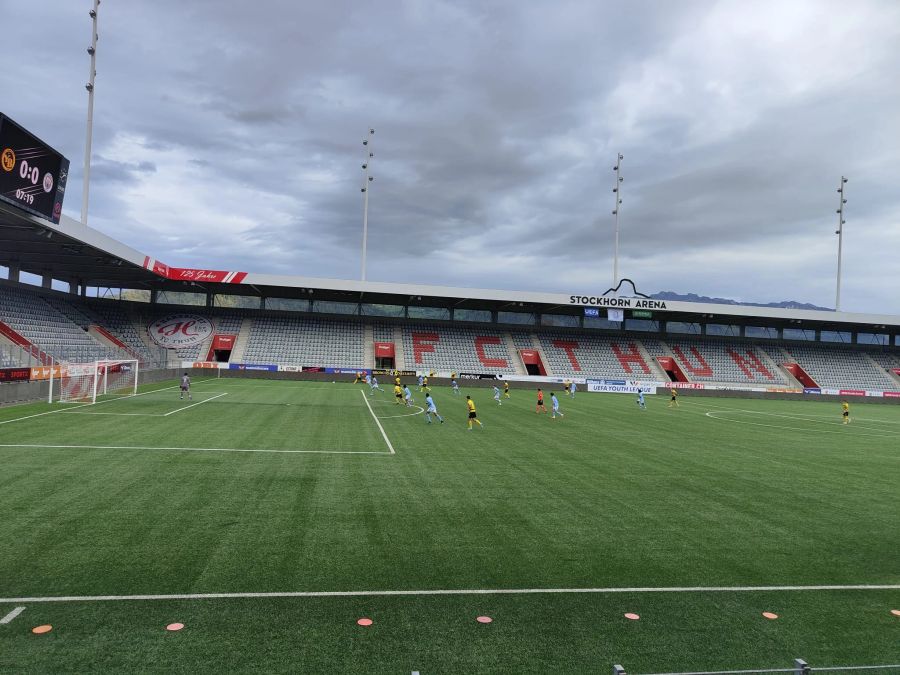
(228, 135)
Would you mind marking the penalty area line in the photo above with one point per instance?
(207, 400)
(12, 615)
(378, 422)
(483, 591)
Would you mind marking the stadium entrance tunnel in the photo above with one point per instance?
(531, 359)
(800, 375)
(384, 355)
(674, 373)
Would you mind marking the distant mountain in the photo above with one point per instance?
(693, 297)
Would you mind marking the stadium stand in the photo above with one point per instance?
(724, 362)
(306, 342)
(456, 349)
(52, 331)
(840, 368)
(64, 328)
(587, 356)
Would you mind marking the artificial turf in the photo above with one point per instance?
(720, 493)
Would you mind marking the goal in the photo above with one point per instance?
(86, 382)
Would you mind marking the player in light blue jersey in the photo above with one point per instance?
(572, 387)
(555, 406)
(421, 380)
(431, 409)
(497, 395)
(640, 400)
(407, 396)
(455, 386)
(374, 386)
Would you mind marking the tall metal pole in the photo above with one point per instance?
(840, 233)
(617, 190)
(92, 50)
(365, 190)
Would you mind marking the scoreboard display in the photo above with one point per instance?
(32, 174)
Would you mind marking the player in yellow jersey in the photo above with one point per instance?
(425, 386)
(673, 401)
(566, 386)
(470, 404)
(397, 381)
(506, 390)
(845, 411)
(398, 394)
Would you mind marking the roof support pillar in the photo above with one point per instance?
(14, 273)
(46, 281)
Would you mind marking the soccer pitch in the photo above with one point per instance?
(280, 513)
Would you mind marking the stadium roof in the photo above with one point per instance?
(71, 251)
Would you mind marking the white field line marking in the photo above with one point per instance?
(12, 615)
(470, 591)
(712, 414)
(390, 417)
(39, 446)
(82, 405)
(378, 422)
(206, 400)
(85, 412)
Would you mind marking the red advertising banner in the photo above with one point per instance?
(222, 341)
(191, 274)
(15, 374)
(851, 392)
(384, 349)
(892, 394)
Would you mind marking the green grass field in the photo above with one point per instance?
(272, 487)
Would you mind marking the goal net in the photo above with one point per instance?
(87, 382)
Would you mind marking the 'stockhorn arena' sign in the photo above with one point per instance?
(624, 303)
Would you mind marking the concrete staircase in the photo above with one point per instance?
(656, 371)
(242, 340)
(368, 346)
(536, 345)
(399, 356)
(514, 355)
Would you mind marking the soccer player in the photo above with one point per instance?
(431, 409)
(540, 403)
(554, 402)
(845, 411)
(506, 390)
(455, 385)
(425, 386)
(566, 387)
(397, 382)
(470, 404)
(421, 379)
(572, 389)
(186, 387)
(497, 395)
(398, 394)
(673, 401)
(374, 386)
(368, 379)
(358, 377)
(407, 396)
(640, 400)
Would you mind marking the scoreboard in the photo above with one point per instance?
(32, 174)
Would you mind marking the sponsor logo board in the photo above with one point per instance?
(851, 392)
(180, 330)
(204, 364)
(603, 388)
(290, 369)
(812, 390)
(44, 372)
(253, 366)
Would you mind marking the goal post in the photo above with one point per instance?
(86, 382)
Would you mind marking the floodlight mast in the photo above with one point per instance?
(617, 191)
(92, 50)
(367, 183)
(840, 233)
